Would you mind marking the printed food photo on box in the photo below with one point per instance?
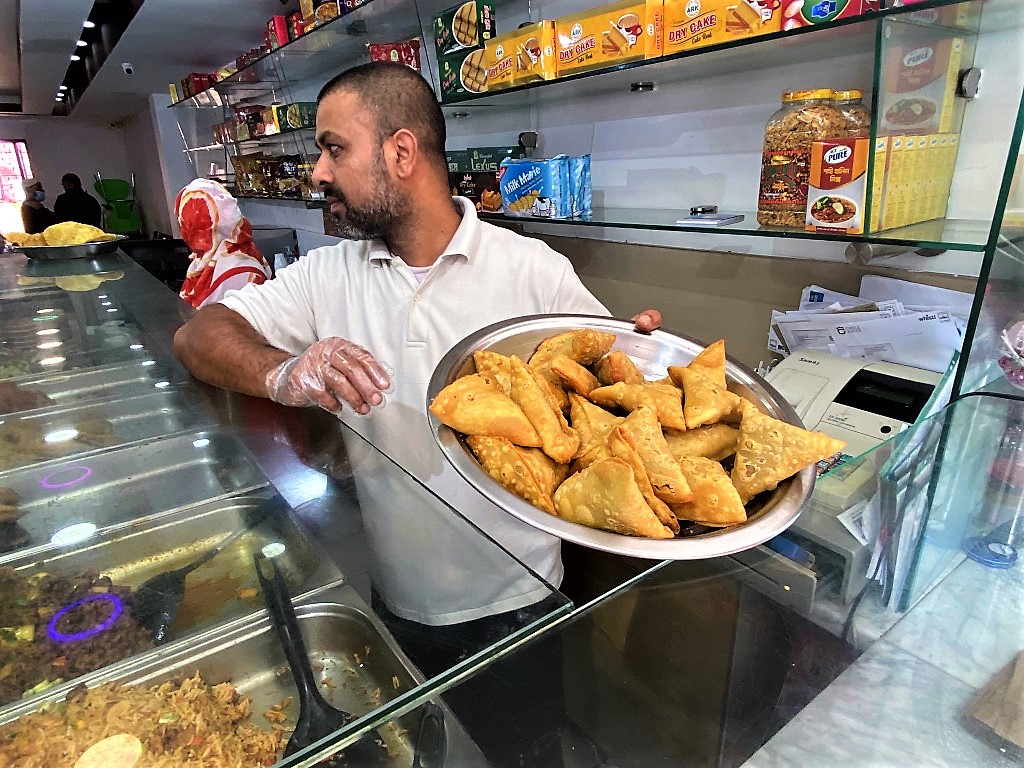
(468, 25)
(406, 52)
(919, 86)
(525, 55)
(692, 24)
(838, 186)
(610, 35)
(805, 13)
(463, 73)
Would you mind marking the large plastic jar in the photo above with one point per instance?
(857, 116)
(786, 159)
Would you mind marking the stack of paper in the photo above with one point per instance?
(890, 320)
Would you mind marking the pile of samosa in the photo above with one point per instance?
(578, 432)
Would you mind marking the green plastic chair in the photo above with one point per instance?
(119, 205)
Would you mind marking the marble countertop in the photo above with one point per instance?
(902, 702)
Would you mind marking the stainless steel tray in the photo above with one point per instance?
(62, 432)
(60, 252)
(347, 644)
(87, 384)
(131, 485)
(652, 353)
(218, 592)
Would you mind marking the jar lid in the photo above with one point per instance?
(816, 93)
(852, 93)
(787, 96)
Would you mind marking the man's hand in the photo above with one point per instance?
(647, 321)
(329, 374)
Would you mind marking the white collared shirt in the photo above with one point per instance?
(358, 290)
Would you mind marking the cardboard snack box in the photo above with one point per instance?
(609, 36)
(462, 74)
(918, 93)
(837, 188)
(797, 14)
(692, 24)
(465, 26)
(525, 55)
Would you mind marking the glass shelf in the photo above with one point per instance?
(940, 234)
(283, 199)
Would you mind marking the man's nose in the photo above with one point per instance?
(321, 176)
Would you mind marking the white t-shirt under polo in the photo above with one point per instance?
(359, 291)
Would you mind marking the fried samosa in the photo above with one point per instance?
(605, 495)
(666, 477)
(558, 439)
(621, 445)
(711, 362)
(593, 424)
(574, 376)
(716, 501)
(768, 451)
(527, 472)
(496, 366)
(712, 441)
(615, 367)
(704, 401)
(474, 405)
(665, 399)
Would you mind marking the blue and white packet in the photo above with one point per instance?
(580, 190)
(535, 187)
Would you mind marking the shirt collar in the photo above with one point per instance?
(464, 242)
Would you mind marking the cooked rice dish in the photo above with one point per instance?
(179, 723)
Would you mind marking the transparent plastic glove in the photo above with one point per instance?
(647, 321)
(330, 374)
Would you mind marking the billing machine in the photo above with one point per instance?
(863, 403)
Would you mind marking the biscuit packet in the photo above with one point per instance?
(609, 36)
(535, 187)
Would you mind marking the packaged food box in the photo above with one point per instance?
(406, 52)
(918, 93)
(458, 160)
(525, 55)
(837, 187)
(610, 35)
(296, 27)
(316, 12)
(692, 24)
(797, 14)
(481, 187)
(462, 74)
(464, 26)
(912, 176)
(489, 158)
(961, 16)
(298, 114)
(277, 32)
(552, 188)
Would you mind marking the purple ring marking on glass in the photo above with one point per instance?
(60, 637)
(46, 482)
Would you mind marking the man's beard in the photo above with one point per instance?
(375, 219)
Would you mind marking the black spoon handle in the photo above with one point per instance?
(282, 616)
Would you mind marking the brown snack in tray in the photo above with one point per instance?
(496, 366)
(593, 424)
(712, 441)
(615, 367)
(665, 399)
(704, 401)
(529, 473)
(573, 375)
(474, 405)
(582, 346)
(558, 439)
(622, 446)
(666, 477)
(605, 495)
(769, 451)
(716, 502)
(711, 362)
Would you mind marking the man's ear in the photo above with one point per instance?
(405, 152)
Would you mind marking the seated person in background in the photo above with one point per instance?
(224, 255)
(75, 204)
(35, 217)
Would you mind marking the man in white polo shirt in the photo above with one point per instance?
(419, 274)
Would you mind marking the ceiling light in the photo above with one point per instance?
(81, 44)
(62, 88)
(76, 58)
(88, 24)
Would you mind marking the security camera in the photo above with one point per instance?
(127, 68)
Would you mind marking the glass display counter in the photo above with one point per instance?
(116, 468)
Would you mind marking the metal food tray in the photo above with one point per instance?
(60, 252)
(221, 591)
(131, 485)
(347, 645)
(132, 419)
(768, 515)
(86, 384)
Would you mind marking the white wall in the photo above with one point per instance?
(58, 145)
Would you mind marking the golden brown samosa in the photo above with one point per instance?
(666, 477)
(716, 502)
(593, 424)
(573, 376)
(496, 366)
(527, 472)
(605, 496)
(768, 451)
(711, 362)
(558, 439)
(704, 401)
(615, 367)
(621, 445)
(712, 441)
(474, 405)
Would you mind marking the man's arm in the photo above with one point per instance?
(219, 347)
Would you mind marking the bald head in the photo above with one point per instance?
(397, 97)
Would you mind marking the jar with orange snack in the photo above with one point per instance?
(786, 158)
(856, 115)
